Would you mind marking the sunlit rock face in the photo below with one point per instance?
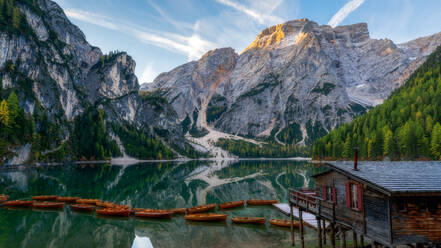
(296, 74)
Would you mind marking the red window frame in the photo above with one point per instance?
(350, 186)
(329, 194)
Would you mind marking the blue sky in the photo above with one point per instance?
(162, 34)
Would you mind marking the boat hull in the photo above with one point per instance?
(44, 197)
(254, 202)
(248, 220)
(234, 204)
(284, 223)
(113, 212)
(82, 207)
(201, 209)
(18, 203)
(154, 215)
(50, 205)
(206, 217)
(178, 210)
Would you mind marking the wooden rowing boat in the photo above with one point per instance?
(206, 217)
(18, 203)
(284, 223)
(113, 212)
(201, 209)
(248, 220)
(44, 197)
(105, 204)
(46, 204)
(178, 210)
(69, 199)
(255, 202)
(88, 201)
(233, 204)
(157, 215)
(83, 207)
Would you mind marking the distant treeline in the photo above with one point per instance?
(245, 149)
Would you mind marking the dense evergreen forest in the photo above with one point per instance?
(245, 149)
(406, 126)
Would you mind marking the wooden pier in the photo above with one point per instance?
(308, 219)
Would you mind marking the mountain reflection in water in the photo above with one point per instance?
(151, 185)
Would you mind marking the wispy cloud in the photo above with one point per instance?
(193, 45)
(251, 12)
(92, 18)
(344, 12)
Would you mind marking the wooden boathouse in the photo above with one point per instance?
(390, 203)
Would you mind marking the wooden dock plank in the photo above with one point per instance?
(308, 218)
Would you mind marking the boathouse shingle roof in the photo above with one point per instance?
(396, 177)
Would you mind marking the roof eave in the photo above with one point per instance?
(364, 181)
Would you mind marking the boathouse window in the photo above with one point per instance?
(354, 196)
(330, 194)
(402, 207)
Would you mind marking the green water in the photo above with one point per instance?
(151, 185)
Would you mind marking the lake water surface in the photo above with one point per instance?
(151, 185)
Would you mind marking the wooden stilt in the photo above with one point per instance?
(361, 241)
(324, 231)
(302, 237)
(374, 244)
(343, 238)
(354, 239)
(332, 234)
(319, 233)
(292, 225)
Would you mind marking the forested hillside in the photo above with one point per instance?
(406, 126)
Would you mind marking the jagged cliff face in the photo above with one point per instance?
(65, 74)
(190, 87)
(296, 77)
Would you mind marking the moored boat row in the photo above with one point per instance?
(107, 208)
(111, 209)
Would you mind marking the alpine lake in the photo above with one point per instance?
(163, 185)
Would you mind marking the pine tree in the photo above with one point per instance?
(16, 18)
(2, 17)
(4, 113)
(347, 147)
(14, 109)
(388, 143)
(435, 144)
(9, 6)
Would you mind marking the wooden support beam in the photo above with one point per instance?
(342, 238)
(292, 225)
(302, 237)
(332, 234)
(361, 241)
(319, 232)
(324, 232)
(354, 239)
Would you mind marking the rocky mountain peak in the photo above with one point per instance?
(295, 31)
